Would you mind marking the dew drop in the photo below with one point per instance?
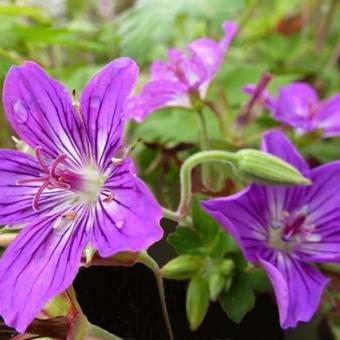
(20, 111)
(120, 224)
(95, 101)
(313, 238)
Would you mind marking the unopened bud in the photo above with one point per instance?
(197, 301)
(226, 267)
(216, 284)
(182, 267)
(261, 167)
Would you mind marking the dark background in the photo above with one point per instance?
(125, 301)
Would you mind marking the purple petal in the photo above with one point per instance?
(102, 103)
(41, 112)
(207, 57)
(155, 95)
(131, 221)
(294, 105)
(230, 29)
(40, 263)
(266, 98)
(328, 116)
(298, 288)
(323, 206)
(16, 200)
(249, 214)
(277, 144)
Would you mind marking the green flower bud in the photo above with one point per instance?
(261, 167)
(182, 267)
(226, 267)
(197, 302)
(217, 282)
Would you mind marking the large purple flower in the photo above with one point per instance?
(74, 193)
(185, 72)
(299, 106)
(286, 229)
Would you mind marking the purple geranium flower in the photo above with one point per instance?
(73, 193)
(186, 72)
(299, 106)
(286, 229)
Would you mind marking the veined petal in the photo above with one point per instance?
(102, 103)
(40, 263)
(250, 215)
(130, 220)
(40, 110)
(16, 200)
(245, 216)
(207, 57)
(294, 105)
(323, 209)
(155, 95)
(277, 144)
(327, 116)
(298, 288)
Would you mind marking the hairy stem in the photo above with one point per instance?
(185, 173)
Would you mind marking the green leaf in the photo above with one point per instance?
(197, 302)
(239, 299)
(258, 280)
(206, 237)
(186, 241)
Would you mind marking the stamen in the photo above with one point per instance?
(35, 203)
(109, 197)
(31, 180)
(69, 214)
(60, 185)
(40, 158)
(117, 161)
(56, 162)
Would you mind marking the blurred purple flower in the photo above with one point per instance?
(287, 228)
(298, 106)
(185, 72)
(73, 193)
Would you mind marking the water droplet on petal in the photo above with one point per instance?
(20, 112)
(313, 238)
(120, 224)
(95, 101)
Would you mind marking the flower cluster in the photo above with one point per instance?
(299, 106)
(187, 72)
(76, 191)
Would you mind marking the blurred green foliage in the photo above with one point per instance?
(293, 39)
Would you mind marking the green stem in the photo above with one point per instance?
(98, 333)
(149, 262)
(171, 215)
(189, 164)
(330, 267)
(204, 130)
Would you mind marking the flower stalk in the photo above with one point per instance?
(251, 165)
(149, 262)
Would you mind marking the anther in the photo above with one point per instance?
(109, 197)
(69, 214)
(117, 161)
